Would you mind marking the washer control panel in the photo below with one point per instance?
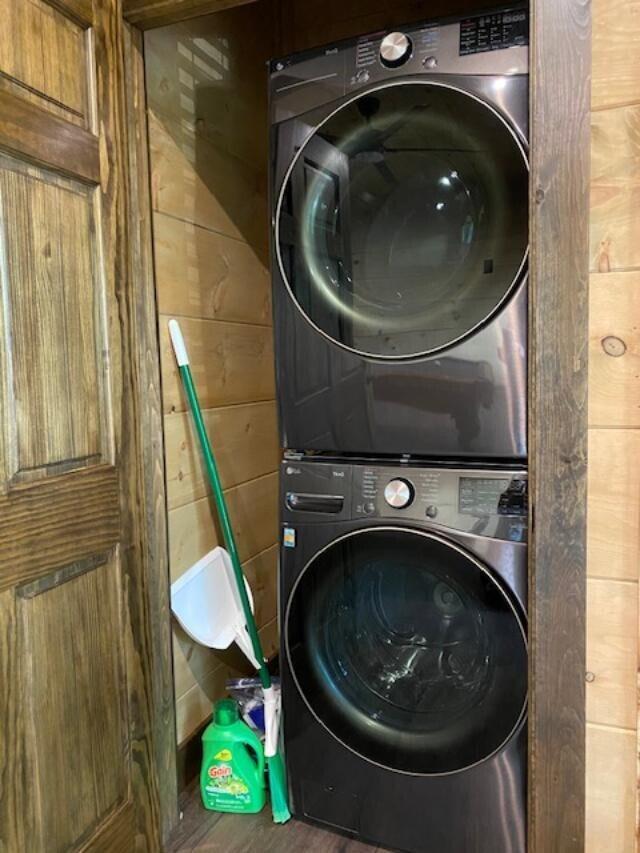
(492, 503)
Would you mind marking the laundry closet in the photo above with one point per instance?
(207, 90)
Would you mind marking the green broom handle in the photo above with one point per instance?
(216, 485)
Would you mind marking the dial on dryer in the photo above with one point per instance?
(395, 50)
(399, 493)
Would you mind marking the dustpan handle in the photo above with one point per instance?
(214, 479)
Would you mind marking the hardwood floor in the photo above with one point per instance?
(202, 831)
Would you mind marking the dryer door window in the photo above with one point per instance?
(408, 651)
(402, 225)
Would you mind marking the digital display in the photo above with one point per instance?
(481, 495)
(494, 32)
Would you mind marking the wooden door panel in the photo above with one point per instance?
(74, 703)
(73, 716)
(47, 525)
(43, 138)
(44, 56)
(54, 323)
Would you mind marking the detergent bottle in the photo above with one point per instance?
(232, 775)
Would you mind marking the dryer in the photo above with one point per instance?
(399, 192)
(403, 594)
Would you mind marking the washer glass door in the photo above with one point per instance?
(408, 651)
(402, 225)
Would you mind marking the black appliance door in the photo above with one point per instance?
(408, 651)
(402, 224)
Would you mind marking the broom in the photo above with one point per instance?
(275, 764)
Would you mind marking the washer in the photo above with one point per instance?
(400, 241)
(403, 594)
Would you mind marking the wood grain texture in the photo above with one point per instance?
(54, 288)
(195, 706)
(611, 790)
(192, 662)
(65, 519)
(560, 145)
(245, 439)
(231, 363)
(209, 181)
(47, 139)
(201, 273)
(614, 504)
(78, 759)
(195, 667)
(319, 22)
(616, 53)
(78, 770)
(612, 642)
(59, 75)
(614, 349)
(149, 452)
(114, 836)
(217, 190)
(78, 10)
(220, 69)
(12, 806)
(615, 189)
(205, 832)
(253, 507)
(147, 14)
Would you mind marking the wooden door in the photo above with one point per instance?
(74, 712)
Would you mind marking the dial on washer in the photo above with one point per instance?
(395, 49)
(399, 493)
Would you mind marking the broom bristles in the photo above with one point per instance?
(278, 789)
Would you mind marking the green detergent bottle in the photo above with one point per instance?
(232, 775)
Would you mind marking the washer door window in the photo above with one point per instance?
(408, 651)
(402, 224)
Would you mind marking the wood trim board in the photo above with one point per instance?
(559, 204)
(148, 14)
(149, 438)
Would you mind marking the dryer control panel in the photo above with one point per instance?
(491, 503)
(493, 44)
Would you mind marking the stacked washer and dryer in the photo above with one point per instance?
(400, 243)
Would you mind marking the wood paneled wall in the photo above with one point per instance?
(206, 85)
(614, 431)
(312, 23)
(206, 90)
(207, 100)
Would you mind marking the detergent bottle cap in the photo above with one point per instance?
(225, 712)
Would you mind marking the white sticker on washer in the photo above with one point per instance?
(289, 537)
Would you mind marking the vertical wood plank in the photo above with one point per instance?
(560, 88)
(12, 817)
(149, 449)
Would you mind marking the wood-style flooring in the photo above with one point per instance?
(202, 831)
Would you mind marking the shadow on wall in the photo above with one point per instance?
(215, 131)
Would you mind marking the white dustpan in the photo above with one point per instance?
(205, 602)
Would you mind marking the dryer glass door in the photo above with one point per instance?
(402, 225)
(408, 651)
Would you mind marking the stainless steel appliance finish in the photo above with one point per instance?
(400, 241)
(404, 663)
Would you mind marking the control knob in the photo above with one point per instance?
(399, 493)
(395, 49)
